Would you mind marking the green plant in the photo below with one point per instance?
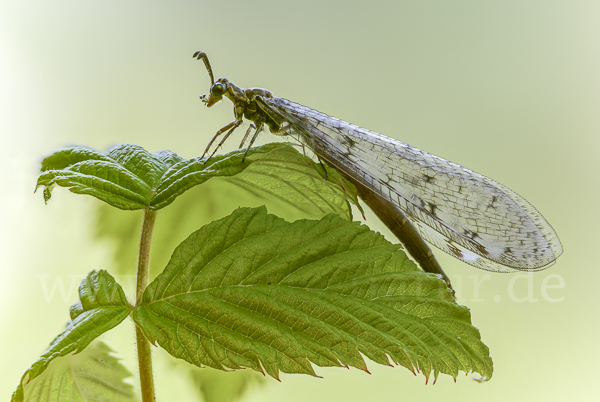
(249, 290)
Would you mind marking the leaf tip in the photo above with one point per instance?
(482, 379)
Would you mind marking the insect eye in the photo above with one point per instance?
(218, 89)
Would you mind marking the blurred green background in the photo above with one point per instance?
(509, 89)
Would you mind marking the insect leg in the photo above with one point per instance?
(233, 125)
(252, 126)
(236, 125)
(258, 130)
(322, 165)
(238, 112)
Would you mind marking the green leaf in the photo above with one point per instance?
(130, 178)
(252, 290)
(333, 176)
(125, 177)
(102, 306)
(92, 375)
(296, 179)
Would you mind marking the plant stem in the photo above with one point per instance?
(143, 346)
(144, 255)
(145, 366)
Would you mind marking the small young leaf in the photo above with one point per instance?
(92, 375)
(130, 178)
(102, 306)
(252, 290)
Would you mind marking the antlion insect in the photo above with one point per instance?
(416, 194)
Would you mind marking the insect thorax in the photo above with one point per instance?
(255, 113)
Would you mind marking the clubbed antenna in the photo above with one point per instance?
(202, 56)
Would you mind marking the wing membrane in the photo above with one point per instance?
(464, 213)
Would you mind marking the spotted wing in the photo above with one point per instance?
(461, 212)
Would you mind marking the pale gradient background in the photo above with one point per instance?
(510, 89)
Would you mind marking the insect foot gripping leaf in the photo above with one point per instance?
(103, 306)
(252, 290)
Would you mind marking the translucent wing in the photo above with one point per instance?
(463, 213)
